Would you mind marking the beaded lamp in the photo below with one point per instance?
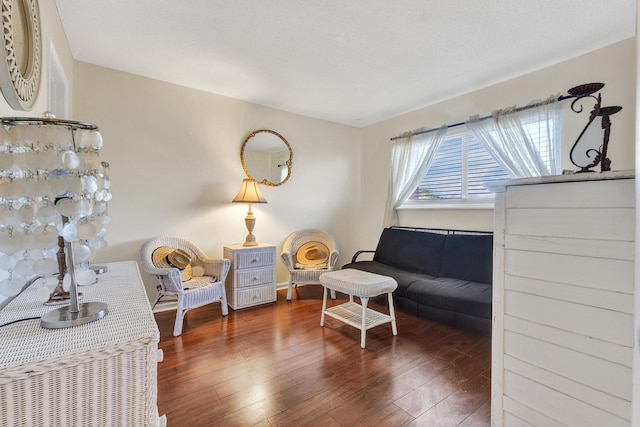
(54, 191)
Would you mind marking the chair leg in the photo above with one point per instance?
(333, 294)
(223, 301)
(177, 328)
(289, 289)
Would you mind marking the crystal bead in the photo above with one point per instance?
(69, 159)
(70, 232)
(11, 287)
(45, 266)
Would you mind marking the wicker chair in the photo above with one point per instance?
(300, 274)
(199, 290)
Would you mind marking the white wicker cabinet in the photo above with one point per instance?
(103, 373)
(563, 301)
(252, 278)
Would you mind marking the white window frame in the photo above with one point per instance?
(480, 203)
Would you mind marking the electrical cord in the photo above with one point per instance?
(19, 320)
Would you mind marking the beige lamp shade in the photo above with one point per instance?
(250, 193)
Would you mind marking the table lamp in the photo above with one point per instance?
(54, 191)
(250, 193)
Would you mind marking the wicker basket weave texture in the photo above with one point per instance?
(293, 242)
(99, 373)
(193, 293)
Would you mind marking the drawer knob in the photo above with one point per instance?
(254, 260)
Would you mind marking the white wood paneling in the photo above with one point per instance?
(584, 195)
(567, 386)
(615, 301)
(622, 250)
(556, 405)
(599, 273)
(589, 321)
(516, 413)
(583, 343)
(564, 272)
(497, 349)
(596, 373)
(596, 223)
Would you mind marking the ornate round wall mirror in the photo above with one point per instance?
(20, 72)
(266, 157)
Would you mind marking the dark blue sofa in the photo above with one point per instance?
(442, 275)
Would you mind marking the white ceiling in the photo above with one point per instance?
(348, 61)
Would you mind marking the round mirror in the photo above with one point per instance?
(266, 157)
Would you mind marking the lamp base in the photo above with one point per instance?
(64, 318)
(250, 240)
(250, 223)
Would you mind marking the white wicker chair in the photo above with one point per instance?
(306, 276)
(197, 291)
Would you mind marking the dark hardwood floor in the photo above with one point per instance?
(274, 365)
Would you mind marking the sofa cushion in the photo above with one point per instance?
(460, 296)
(468, 257)
(414, 251)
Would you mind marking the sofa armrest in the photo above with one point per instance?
(357, 254)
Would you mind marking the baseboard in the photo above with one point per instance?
(165, 306)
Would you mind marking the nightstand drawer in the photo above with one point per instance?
(255, 276)
(255, 296)
(255, 258)
(252, 276)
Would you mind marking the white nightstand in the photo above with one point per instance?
(252, 278)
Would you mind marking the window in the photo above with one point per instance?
(461, 167)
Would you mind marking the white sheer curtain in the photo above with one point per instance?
(525, 143)
(411, 157)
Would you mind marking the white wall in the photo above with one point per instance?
(175, 164)
(613, 65)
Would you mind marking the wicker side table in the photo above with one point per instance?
(102, 373)
(252, 278)
(363, 285)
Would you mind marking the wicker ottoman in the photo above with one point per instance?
(363, 285)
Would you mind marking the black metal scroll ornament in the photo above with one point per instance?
(592, 152)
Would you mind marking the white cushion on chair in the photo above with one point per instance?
(311, 266)
(198, 282)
